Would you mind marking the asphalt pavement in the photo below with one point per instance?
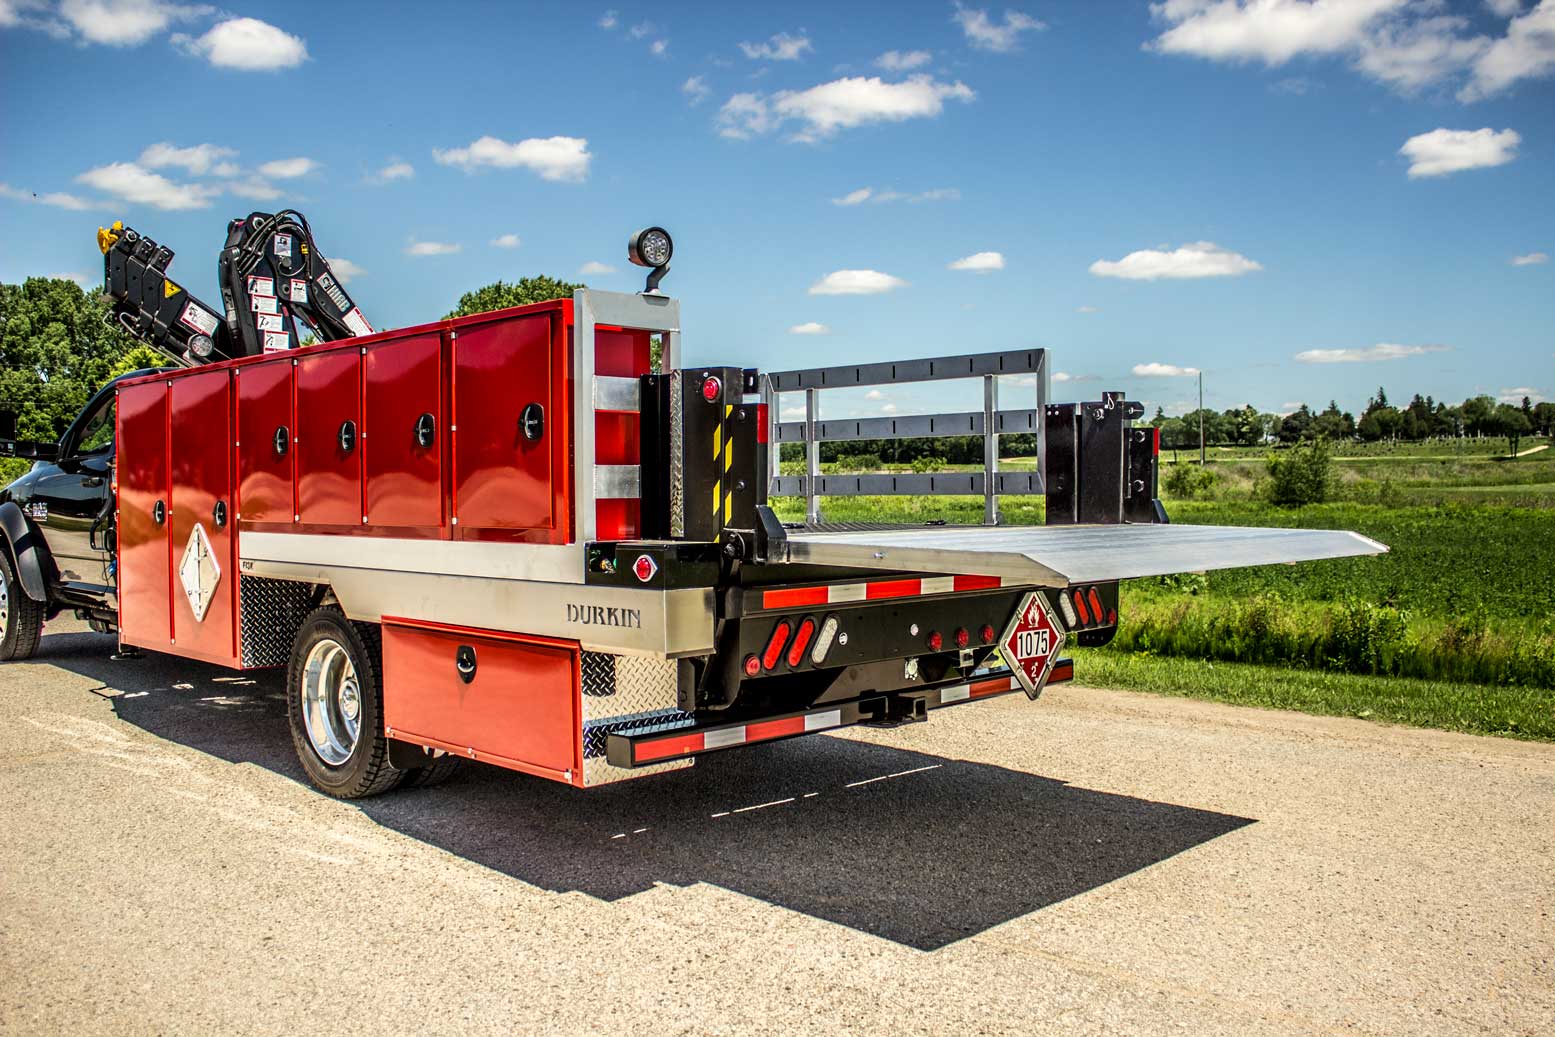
(1097, 862)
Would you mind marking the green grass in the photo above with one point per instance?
(1450, 706)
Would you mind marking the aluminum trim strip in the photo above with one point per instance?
(617, 482)
(970, 365)
(546, 563)
(617, 394)
(915, 483)
(910, 426)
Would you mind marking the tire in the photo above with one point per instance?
(21, 618)
(334, 702)
(434, 773)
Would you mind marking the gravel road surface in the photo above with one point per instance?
(1099, 862)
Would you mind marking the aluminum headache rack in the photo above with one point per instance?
(990, 423)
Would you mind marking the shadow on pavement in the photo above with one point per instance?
(919, 849)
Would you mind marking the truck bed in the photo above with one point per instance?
(1057, 556)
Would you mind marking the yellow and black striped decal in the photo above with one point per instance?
(723, 462)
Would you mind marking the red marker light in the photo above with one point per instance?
(711, 387)
(801, 642)
(775, 646)
(962, 637)
(936, 642)
(987, 633)
(1097, 609)
(644, 568)
(752, 666)
(1112, 617)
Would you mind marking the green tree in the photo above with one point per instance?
(56, 348)
(1478, 416)
(1544, 418)
(500, 295)
(137, 357)
(1295, 426)
(1511, 422)
(1333, 424)
(1301, 475)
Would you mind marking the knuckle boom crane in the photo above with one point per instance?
(272, 276)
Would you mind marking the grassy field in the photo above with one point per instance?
(1453, 628)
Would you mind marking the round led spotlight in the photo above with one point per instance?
(201, 346)
(650, 246)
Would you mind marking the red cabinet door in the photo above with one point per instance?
(140, 471)
(403, 396)
(502, 479)
(265, 476)
(518, 709)
(204, 576)
(329, 448)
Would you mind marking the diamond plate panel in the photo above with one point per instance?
(625, 693)
(270, 612)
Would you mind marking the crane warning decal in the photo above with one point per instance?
(1031, 643)
(200, 319)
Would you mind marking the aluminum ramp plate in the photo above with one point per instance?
(1055, 556)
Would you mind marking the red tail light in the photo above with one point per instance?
(962, 637)
(801, 642)
(752, 666)
(774, 650)
(711, 387)
(936, 641)
(987, 633)
(1097, 608)
(1081, 610)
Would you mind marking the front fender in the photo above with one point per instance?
(28, 550)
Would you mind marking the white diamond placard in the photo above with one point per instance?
(198, 572)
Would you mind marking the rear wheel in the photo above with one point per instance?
(334, 693)
(21, 618)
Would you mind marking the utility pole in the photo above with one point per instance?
(1201, 419)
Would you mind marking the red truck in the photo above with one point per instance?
(514, 538)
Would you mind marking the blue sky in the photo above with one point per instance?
(1303, 200)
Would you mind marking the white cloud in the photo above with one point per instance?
(432, 248)
(642, 29)
(840, 104)
(1531, 259)
(781, 47)
(1087, 309)
(247, 44)
(1381, 351)
(346, 270)
(84, 280)
(903, 60)
(1197, 259)
(506, 241)
(609, 20)
(395, 170)
(593, 266)
(254, 188)
(553, 158)
(1444, 151)
(121, 23)
(888, 408)
(288, 168)
(134, 183)
(198, 159)
(809, 328)
(869, 194)
(1062, 376)
(1409, 56)
(1504, 8)
(979, 262)
(1158, 370)
(696, 90)
(659, 48)
(984, 33)
(58, 199)
(1271, 31)
(855, 282)
(1515, 396)
(1526, 51)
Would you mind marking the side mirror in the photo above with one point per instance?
(27, 449)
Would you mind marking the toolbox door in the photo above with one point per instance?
(265, 433)
(404, 423)
(144, 571)
(201, 518)
(329, 448)
(508, 416)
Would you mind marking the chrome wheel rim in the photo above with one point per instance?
(331, 702)
(5, 604)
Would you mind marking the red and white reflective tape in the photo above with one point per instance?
(978, 689)
(875, 590)
(737, 734)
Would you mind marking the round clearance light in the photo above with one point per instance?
(986, 633)
(962, 637)
(711, 387)
(650, 246)
(936, 641)
(752, 666)
(644, 568)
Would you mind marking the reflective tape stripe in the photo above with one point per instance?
(957, 694)
(875, 590)
(821, 721)
(717, 739)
